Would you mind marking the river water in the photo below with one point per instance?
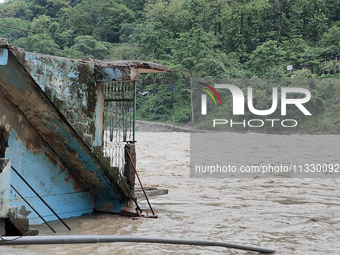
(294, 216)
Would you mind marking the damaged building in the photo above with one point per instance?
(65, 126)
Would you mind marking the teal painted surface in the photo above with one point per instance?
(80, 163)
(3, 57)
(5, 181)
(50, 181)
(71, 85)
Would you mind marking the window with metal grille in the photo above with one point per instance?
(119, 119)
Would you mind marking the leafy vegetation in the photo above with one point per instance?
(196, 38)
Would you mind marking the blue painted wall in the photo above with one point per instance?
(49, 179)
(3, 57)
(43, 146)
(72, 86)
(42, 169)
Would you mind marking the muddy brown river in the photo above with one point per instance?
(292, 215)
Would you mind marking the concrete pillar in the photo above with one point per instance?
(98, 136)
(129, 172)
(5, 181)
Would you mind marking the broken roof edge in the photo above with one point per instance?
(141, 66)
(138, 64)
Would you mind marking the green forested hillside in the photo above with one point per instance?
(216, 38)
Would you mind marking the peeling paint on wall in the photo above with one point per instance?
(71, 86)
(35, 160)
(5, 180)
(52, 122)
(46, 119)
(12, 119)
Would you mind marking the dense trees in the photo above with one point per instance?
(215, 38)
(303, 31)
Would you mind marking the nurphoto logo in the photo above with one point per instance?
(239, 103)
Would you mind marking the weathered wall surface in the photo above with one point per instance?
(71, 86)
(39, 93)
(32, 157)
(5, 180)
(17, 85)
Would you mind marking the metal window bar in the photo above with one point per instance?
(119, 119)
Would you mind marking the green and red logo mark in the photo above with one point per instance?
(204, 97)
(209, 93)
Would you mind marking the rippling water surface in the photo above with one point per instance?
(294, 216)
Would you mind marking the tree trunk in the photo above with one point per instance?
(280, 20)
(315, 7)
